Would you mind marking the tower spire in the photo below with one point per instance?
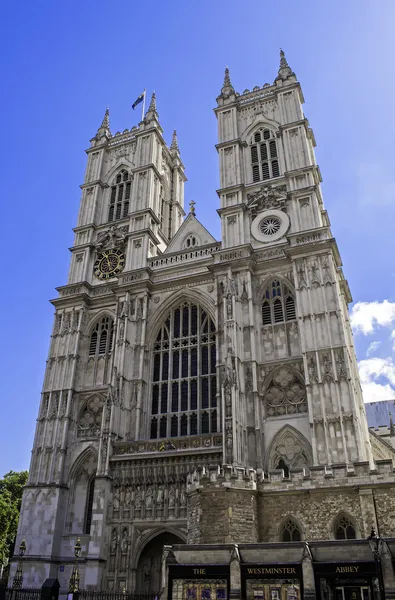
(106, 120)
(284, 70)
(104, 129)
(152, 104)
(227, 89)
(152, 112)
(174, 142)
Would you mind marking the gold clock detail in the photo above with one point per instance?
(109, 263)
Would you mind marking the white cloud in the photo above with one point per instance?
(365, 316)
(370, 371)
(373, 346)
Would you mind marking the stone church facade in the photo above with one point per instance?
(201, 391)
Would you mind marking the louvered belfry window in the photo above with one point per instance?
(278, 304)
(102, 337)
(120, 196)
(184, 393)
(264, 157)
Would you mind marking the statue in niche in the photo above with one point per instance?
(172, 498)
(115, 502)
(137, 499)
(183, 499)
(229, 306)
(148, 498)
(159, 497)
(128, 498)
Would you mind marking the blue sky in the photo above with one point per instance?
(62, 63)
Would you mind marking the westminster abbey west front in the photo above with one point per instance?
(201, 428)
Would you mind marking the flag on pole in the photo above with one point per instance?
(139, 100)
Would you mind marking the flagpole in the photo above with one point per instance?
(143, 110)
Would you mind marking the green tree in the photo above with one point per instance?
(11, 489)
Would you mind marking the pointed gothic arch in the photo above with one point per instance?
(183, 399)
(290, 530)
(284, 392)
(276, 297)
(290, 447)
(148, 559)
(199, 297)
(260, 121)
(81, 491)
(344, 527)
(125, 164)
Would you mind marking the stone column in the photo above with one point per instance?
(235, 574)
(309, 591)
(388, 572)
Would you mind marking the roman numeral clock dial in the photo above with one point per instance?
(109, 263)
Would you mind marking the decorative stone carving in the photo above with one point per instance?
(301, 278)
(327, 375)
(268, 197)
(290, 449)
(340, 366)
(285, 394)
(312, 371)
(112, 238)
(315, 279)
(89, 422)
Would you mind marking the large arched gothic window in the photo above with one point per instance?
(344, 528)
(102, 337)
(278, 304)
(290, 532)
(184, 400)
(264, 158)
(120, 196)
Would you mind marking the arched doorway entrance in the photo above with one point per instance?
(149, 565)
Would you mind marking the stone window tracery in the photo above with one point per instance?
(264, 157)
(191, 241)
(278, 304)
(120, 196)
(285, 394)
(89, 422)
(289, 450)
(290, 532)
(102, 337)
(184, 394)
(344, 528)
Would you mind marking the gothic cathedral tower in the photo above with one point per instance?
(173, 353)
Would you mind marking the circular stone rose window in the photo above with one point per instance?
(270, 225)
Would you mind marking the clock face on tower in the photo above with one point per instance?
(109, 263)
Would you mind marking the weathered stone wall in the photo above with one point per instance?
(314, 512)
(221, 515)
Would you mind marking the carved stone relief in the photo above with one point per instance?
(285, 394)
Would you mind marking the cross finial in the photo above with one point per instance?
(192, 207)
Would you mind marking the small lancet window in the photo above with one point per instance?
(264, 156)
(191, 241)
(120, 196)
(278, 304)
(89, 506)
(102, 337)
(290, 532)
(344, 529)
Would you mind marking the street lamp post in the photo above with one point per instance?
(18, 579)
(376, 546)
(74, 583)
